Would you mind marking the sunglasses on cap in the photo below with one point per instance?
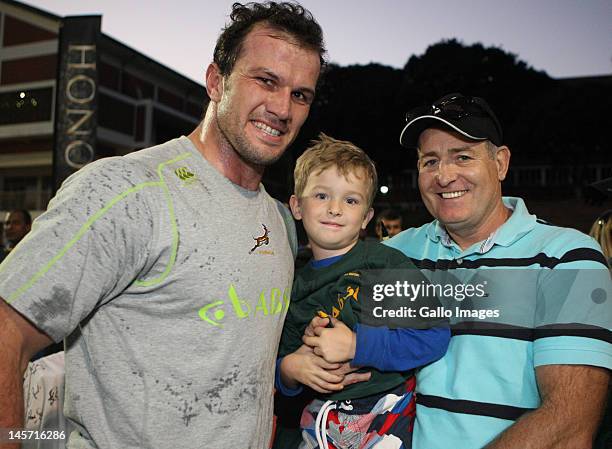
(470, 116)
(455, 107)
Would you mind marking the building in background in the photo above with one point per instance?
(140, 102)
(556, 127)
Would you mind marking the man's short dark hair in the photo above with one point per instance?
(27, 218)
(290, 18)
(388, 214)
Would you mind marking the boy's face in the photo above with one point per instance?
(333, 209)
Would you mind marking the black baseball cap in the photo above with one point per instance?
(469, 116)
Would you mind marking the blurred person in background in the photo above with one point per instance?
(392, 222)
(18, 223)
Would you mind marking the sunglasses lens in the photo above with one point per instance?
(459, 107)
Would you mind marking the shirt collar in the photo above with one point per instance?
(322, 263)
(518, 224)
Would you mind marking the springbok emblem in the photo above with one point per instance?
(262, 240)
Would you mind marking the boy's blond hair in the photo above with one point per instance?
(327, 152)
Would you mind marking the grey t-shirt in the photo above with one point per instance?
(170, 285)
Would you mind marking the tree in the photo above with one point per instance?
(544, 120)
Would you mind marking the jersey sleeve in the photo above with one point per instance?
(573, 319)
(397, 295)
(399, 349)
(404, 339)
(90, 245)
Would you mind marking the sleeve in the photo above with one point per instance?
(91, 243)
(574, 313)
(399, 349)
(391, 334)
(397, 296)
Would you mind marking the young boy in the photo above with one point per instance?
(335, 185)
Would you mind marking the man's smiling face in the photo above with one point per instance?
(267, 96)
(460, 181)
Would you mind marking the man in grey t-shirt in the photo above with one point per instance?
(168, 271)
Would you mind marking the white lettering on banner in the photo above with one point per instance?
(80, 93)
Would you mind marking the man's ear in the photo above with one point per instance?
(367, 218)
(502, 159)
(214, 82)
(296, 210)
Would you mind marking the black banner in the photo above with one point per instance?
(76, 96)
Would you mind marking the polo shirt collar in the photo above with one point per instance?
(520, 223)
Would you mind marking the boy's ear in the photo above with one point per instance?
(296, 210)
(367, 218)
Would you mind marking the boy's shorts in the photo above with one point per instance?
(382, 420)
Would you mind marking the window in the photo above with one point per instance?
(115, 114)
(26, 106)
(135, 87)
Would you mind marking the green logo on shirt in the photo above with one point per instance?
(274, 303)
(184, 174)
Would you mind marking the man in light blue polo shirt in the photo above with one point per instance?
(535, 374)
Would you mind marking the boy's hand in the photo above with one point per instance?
(336, 344)
(305, 367)
(317, 321)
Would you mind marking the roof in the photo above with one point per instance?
(118, 46)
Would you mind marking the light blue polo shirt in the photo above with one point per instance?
(552, 289)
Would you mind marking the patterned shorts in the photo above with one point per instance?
(381, 421)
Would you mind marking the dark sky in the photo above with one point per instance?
(565, 38)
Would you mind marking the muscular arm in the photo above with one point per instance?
(20, 340)
(573, 400)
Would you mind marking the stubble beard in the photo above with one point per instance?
(239, 143)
